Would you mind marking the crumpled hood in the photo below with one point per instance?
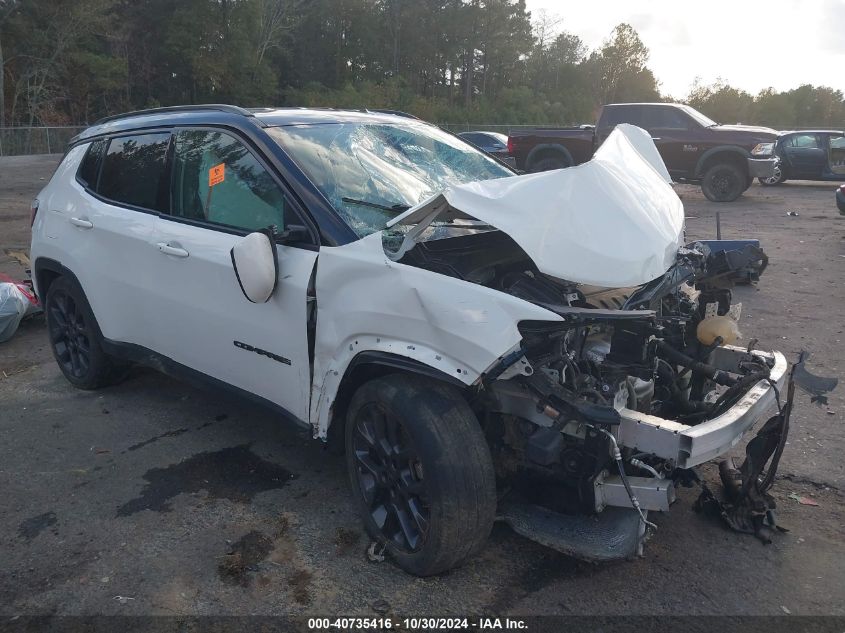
(614, 221)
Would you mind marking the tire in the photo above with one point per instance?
(778, 178)
(723, 182)
(421, 470)
(75, 338)
(749, 182)
(549, 163)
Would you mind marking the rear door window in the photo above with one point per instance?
(217, 179)
(134, 171)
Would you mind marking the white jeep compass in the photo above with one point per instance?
(542, 349)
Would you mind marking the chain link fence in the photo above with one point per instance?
(15, 141)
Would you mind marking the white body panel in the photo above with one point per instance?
(110, 258)
(200, 313)
(368, 302)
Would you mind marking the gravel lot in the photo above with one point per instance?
(193, 502)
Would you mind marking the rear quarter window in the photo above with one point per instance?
(89, 168)
(133, 171)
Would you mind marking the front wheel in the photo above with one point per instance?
(723, 183)
(421, 470)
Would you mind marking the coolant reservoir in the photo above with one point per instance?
(712, 327)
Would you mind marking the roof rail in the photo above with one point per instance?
(220, 107)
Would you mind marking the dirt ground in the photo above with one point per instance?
(153, 497)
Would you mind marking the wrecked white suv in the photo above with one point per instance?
(542, 349)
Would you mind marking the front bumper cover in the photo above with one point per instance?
(690, 446)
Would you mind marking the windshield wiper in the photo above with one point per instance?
(396, 208)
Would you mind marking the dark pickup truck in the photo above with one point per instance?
(724, 159)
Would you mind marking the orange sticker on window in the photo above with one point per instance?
(216, 175)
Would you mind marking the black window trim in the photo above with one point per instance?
(290, 198)
(84, 184)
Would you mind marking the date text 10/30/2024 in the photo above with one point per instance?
(417, 624)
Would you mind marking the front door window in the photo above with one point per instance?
(216, 179)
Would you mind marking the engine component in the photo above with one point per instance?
(714, 327)
(651, 493)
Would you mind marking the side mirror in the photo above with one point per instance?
(293, 234)
(256, 266)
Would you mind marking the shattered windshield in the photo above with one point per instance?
(372, 172)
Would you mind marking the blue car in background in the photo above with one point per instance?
(809, 155)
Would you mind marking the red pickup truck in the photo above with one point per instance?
(724, 159)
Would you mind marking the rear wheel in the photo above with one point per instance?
(723, 182)
(421, 470)
(75, 338)
(549, 163)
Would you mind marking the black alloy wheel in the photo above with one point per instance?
(70, 335)
(391, 478)
(76, 340)
(723, 183)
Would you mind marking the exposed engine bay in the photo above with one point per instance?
(554, 410)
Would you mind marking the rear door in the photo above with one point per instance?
(806, 155)
(221, 191)
(106, 229)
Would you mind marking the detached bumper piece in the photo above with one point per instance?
(615, 534)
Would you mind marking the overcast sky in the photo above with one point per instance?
(753, 44)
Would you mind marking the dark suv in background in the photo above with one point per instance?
(724, 159)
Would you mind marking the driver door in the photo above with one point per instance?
(220, 192)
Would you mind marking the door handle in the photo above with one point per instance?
(167, 249)
(656, 138)
(82, 224)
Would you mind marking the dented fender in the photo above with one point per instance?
(366, 302)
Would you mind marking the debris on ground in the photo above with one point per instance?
(804, 501)
(123, 599)
(20, 257)
(17, 301)
(793, 214)
(375, 552)
(748, 507)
